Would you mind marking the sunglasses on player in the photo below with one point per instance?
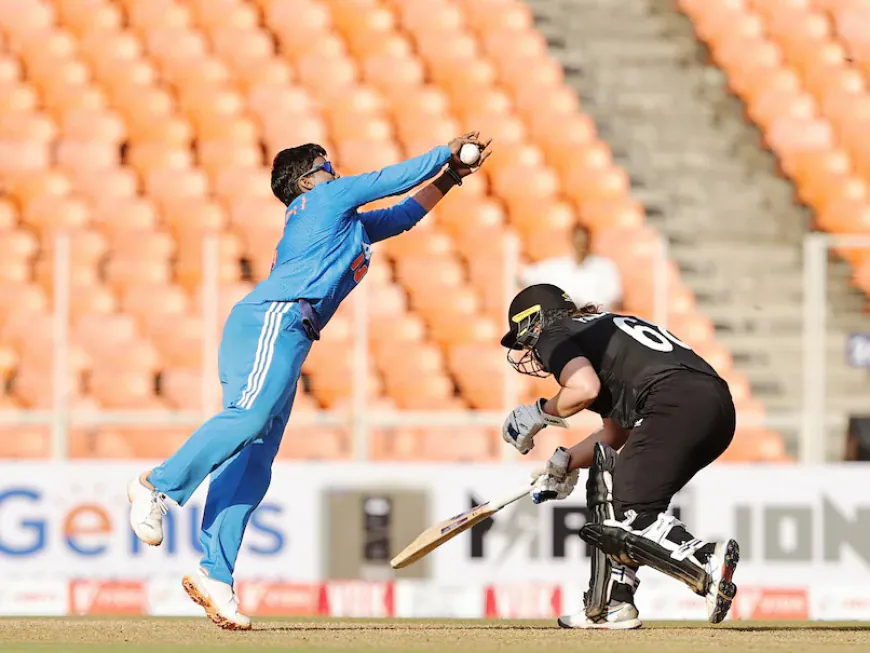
(326, 166)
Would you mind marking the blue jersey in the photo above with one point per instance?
(326, 247)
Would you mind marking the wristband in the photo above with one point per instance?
(547, 419)
(444, 183)
(453, 175)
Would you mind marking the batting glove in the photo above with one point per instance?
(554, 481)
(524, 422)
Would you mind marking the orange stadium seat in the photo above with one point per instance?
(8, 214)
(141, 103)
(31, 389)
(16, 96)
(242, 46)
(150, 302)
(190, 263)
(281, 99)
(167, 14)
(228, 295)
(104, 186)
(362, 100)
(23, 298)
(109, 51)
(206, 70)
(428, 99)
(125, 213)
(387, 300)
(168, 184)
(441, 316)
(120, 273)
(178, 338)
(28, 442)
(49, 214)
(17, 157)
(466, 446)
(8, 363)
(305, 443)
(391, 331)
(82, 15)
(399, 365)
(326, 74)
(139, 126)
(363, 155)
(298, 25)
(182, 389)
(28, 127)
(278, 131)
(10, 68)
(435, 392)
(18, 245)
(487, 15)
(86, 248)
(481, 373)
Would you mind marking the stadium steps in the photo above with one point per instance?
(701, 171)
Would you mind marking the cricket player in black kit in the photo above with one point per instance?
(666, 409)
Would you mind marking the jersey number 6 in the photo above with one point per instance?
(654, 337)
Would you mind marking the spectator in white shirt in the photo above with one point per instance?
(587, 278)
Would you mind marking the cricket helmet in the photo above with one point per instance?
(525, 321)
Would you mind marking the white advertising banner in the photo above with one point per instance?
(804, 534)
(34, 597)
(71, 520)
(794, 524)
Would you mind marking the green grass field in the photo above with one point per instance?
(194, 635)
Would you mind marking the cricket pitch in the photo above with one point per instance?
(105, 635)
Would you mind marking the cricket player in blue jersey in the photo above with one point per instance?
(324, 253)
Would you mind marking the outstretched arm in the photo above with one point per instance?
(391, 221)
(357, 190)
(386, 223)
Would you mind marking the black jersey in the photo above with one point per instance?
(628, 353)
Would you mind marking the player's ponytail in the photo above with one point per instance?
(587, 309)
(554, 315)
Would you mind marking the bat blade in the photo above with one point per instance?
(444, 531)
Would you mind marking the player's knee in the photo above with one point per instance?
(264, 452)
(643, 519)
(250, 423)
(646, 512)
(667, 527)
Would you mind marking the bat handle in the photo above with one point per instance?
(515, 495)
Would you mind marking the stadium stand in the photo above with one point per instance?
(715, 108)
(140, 125)
(811, 113)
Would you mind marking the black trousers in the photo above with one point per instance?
(688, 422)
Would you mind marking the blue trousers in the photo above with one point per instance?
(260, 360)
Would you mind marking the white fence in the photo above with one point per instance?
(361, 419)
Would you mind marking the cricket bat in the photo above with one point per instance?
(436, 535)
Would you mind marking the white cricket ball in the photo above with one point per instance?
(469, 153)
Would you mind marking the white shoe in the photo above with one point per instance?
(721, 591)
(147, 507)
(619, 616)
(217, 599)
